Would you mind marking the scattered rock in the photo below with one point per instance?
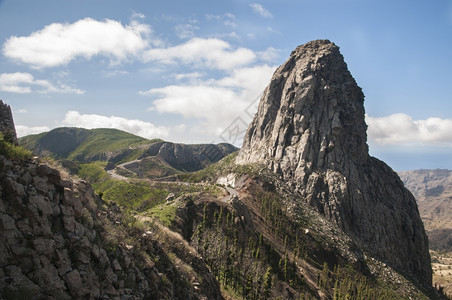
(170, 197)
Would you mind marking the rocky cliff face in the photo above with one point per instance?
(310, 130)
(58, 240)
(7, 123)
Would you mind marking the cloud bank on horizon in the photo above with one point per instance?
(208, 83)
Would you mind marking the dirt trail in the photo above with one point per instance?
(115, 175)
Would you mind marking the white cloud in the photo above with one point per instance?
(58, 44)
(197, 101)
(14, 82)
(229, 36)
(272, 30)
(228, 19)
(23, 130)
(210, 53)
(250, 81)
(260, 10)
(400, 129)
(189, 76)
(138, 127)
(215, 103)
(25, 83)
(270, 54)
(137, 16)
(186, 31)
(114, 73)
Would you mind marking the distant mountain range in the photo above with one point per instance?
(119, 147)
(433, 192)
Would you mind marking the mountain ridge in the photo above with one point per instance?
(116, 146)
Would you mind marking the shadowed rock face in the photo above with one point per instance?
(310, 130)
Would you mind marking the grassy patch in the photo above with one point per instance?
(225, 166)
(211, 171)
(152, 167)
(12, 151)
(165, 213)
(106, 140)
(130, 194)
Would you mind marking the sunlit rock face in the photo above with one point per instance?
(310, 129)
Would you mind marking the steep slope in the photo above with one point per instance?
(58, 240)
(310, 130)
(433, 192)
(189, 158)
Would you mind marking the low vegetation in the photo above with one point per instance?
(108, 140)
(132, 194)
(12, 151)
(87, 145)
(165, 213)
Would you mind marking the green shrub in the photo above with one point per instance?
(165, 213)
(12, 151)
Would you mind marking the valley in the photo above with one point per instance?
(433, 192)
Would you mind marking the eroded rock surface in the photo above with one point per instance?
(58, 240)
(310, 129)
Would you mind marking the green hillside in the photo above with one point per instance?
(86, 145)
(102, 140)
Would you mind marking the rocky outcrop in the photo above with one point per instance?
(189, 158)
(58, 240)
(7, 123)
(310, 130)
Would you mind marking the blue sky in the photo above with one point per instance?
(192, 71)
